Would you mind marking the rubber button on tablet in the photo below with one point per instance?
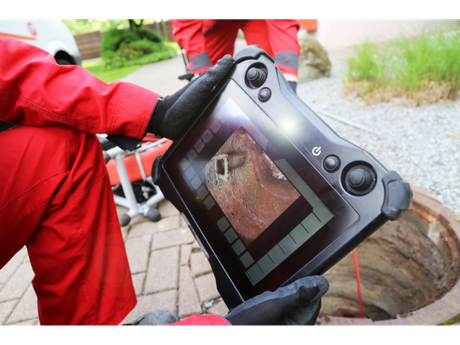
(331, 163)
(265, 94)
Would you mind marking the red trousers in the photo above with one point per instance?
(203, 38)
(65, 214)
(55, 194)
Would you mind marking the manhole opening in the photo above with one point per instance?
(403, 266)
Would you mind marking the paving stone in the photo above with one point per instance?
(165, 80)
(195, 245)
(140, 218)
(167, 209)
(33, 322)
(419, 318)
(138, 282)
(188, 297)
(138, 252)
(7, 271)
(26, 309)
(146, 230)
(395, 323)
(170, 223)
(172, 238)
(18, 283)
(185, 251)
(220, 308)
(125, 232)
(199, 264)
(165, 300)
(5, 310)
(163, 270)
(206, 286)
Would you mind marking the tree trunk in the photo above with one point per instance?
(163, 30)
(133, 25)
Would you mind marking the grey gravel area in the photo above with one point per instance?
(422, 144)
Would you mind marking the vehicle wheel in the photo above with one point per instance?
(62, 61)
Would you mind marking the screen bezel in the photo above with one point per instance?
(344, 215)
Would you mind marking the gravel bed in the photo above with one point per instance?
(422, 144)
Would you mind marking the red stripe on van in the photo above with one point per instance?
(16, 36)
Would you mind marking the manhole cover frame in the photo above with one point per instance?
(444, 308)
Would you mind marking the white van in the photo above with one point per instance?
(50, 35)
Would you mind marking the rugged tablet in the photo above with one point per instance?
(271, 192)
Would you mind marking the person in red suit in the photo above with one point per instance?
(206, 41)
(55, 194)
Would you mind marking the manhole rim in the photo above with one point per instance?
(441, 310)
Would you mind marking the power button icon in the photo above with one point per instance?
(316, 151)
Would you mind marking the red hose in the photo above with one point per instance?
(358, 282)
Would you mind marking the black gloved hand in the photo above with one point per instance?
(295, 304)
(172, 113)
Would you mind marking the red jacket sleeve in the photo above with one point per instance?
(36, 91)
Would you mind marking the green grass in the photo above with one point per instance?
(414, 68)
(109, 76)
(452, 321)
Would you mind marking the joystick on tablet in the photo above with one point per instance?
(359, 180)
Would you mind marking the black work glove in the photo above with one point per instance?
(172, 113)
(295, 304)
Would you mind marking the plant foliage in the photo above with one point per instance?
(424, 69)
(121, 48)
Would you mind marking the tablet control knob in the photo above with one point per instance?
(359, 179)
(256, 76)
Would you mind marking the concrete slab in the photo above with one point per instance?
(188, 297)
(165, 300)
(137, 249)
(26, 309)
(163, 270)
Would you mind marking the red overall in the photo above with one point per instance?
(55, 195)
(206, 41)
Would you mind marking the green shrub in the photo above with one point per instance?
(121, 48)
(112, 40)
(136, 49)
(144, 33)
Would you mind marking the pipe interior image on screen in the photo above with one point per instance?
(249, 188)
(254, 202)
